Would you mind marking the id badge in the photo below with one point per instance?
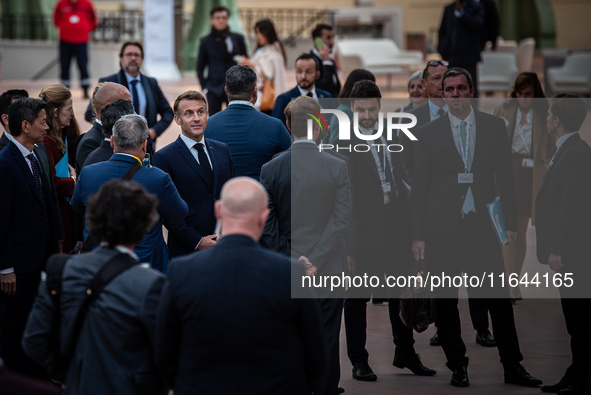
(527, 162)
(386, 188)
(465, 178)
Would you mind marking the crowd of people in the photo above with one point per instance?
(244, 189)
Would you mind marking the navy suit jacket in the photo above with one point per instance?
(459, 38)
(253, 137)
(87, 143)
(156, 102)
(176, 160)
(227, 314)
(284, 98)
(210, 55)
(102, 154)
(28, 231)
(171, 206)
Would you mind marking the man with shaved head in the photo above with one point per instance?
(105, 93)
(227, 322)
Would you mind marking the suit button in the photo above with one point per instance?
(42, 234)
(462, 197)
(542, 162)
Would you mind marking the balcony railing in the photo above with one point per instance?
(115, 27)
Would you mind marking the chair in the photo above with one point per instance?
(525, 54)
(376, 55)
(574, 76)
(497, 71)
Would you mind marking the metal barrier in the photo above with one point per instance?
(116, 27)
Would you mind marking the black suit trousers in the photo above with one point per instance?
(396, 248)
(470, 250)
(214, 102)
(577, 315)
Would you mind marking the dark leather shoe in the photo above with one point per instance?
(570, 390)
(485, 339)
(459, 377)
(340, 390)
(434, 341)
(413, 362)
(562, 384)
(516, 374)
(362, 372)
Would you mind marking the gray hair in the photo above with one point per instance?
(130, 132)
(418, 74)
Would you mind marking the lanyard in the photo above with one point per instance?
(462, 153)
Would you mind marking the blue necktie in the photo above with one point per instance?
(135, 96)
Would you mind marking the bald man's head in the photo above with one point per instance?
(242, 208)
(108, 93)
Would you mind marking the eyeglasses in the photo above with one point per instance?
(435, 63)
(132, 55)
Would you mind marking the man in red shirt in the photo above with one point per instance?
(75, 19)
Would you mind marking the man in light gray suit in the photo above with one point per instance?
(310, 211)
(113, 353)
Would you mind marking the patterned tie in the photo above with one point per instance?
(441, 112)
(204, 162)
(135, 96)
(469, 201)
(35, 168)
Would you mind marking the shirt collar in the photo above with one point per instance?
(433, 108)
(131, 156)
(8, 136)
(305, 93)
(243, 102)
(98, 121)
(122, 249)
(470, 119)
(130, 78)
(529, 116)
(304, 141)
(190, 143)
(21, 148)
(563, 139)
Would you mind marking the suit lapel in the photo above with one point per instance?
(4, 141)
(20, 160)
(190, 159)
(214, 164)
(150, 104)
(558, 155)
(479, 142)
(512, 119)
(447, 139)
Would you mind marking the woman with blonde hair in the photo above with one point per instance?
(525, 117)
(269, 61)
(60, 143)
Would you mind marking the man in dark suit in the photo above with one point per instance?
(380, 210)
(147, 97)
(253, 137)
(105, 93)
(310, 211)
(329, 76)
(428, 112)
(130, 135)
(114, 350)
(460, 34)
(253, 337)
(29, 229)
(216, 52)
(199, 167)
(110, 114)
(563, 216)
(462, 158)
(307, 70)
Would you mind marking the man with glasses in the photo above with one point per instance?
(199, 167)
(146, 96)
